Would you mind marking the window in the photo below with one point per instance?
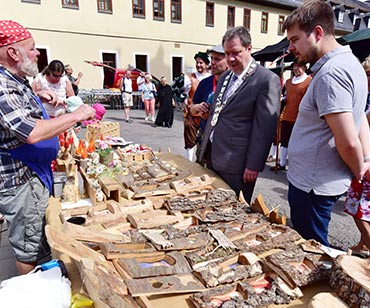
(73, 4)
(138, 8)
(280, 25)
(176, 10)
(340, 16)
(355, 18)
(231, 16)
(158, 9)
(105, 6)
(32, 1)
(210, 14)
(247, 19)
(264, 22)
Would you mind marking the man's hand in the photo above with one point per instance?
(200, 110)
(79, 75)
(249, 176)
(84, 112)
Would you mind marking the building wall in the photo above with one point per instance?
(75, 35)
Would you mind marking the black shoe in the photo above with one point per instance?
(128, 121)
(278, 168)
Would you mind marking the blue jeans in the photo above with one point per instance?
(310, 213)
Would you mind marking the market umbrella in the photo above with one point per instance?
(359, 41)
(273, 52)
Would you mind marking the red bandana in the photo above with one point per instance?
(12, 32)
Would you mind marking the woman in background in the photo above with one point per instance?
(53, 78)
(148, 97)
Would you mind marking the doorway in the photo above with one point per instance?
(109, 59)
(177, 65)
(141, 62)
(42, 61)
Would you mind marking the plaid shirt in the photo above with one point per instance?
(18, 115)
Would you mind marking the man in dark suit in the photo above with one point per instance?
(243, 116)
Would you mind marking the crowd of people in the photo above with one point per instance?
(232, 112)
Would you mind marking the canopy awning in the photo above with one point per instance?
(359, 41)
(273, 52)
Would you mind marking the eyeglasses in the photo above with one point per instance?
(56, 76)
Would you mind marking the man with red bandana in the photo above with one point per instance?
(28, 145)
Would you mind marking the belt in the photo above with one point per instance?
(127, 92)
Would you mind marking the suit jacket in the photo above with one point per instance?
(247, 124)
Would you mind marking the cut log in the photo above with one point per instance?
(350, 278)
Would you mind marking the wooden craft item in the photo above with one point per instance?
(299, 268)
(150, 190)
(276, 217)
(91, 192)
(111, 188)
(71, 193)
(191, 183)
(259, 291)
(183, 283)
(250, 227)
(113, 279)
(84, 234)
(126, 179)
(190, 242)
(156, 238)
(65, 244)
(216, 297)
(155, 171)
(266, 289)
(230, 270)
(211, 252)
(83, 211)
(170, 263)
(326, 300)
(273, 237)
(350, 278)
(259, 206)
(136, 206)
(139, 251)
(96, 130)
(153, 219)
(273, 215)
(236, 212)
(222, 240)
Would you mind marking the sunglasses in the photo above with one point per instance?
(56, 76)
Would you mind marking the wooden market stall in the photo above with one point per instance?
(168, 232)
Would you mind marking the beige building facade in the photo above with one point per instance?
(159, 36)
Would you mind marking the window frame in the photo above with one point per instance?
(211, 14)
(32, 1)
(178, 5)
(163, 10)
(264, 22)
(230, 17)
(70, 6)
(281, 20)
(248, 27)
(139, 8)
(105, 11)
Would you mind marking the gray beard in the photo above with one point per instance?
(27, 67)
